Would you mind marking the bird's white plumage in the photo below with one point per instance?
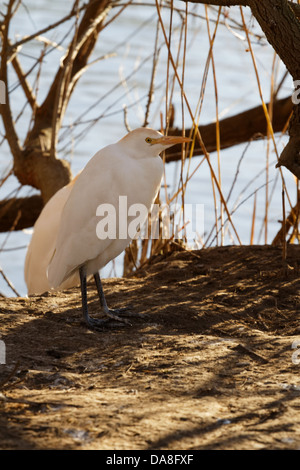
(132, 168)
(42, 245)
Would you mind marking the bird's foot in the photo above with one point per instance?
(126, 312)
(113, 319)
(114, 315)
(99, 324)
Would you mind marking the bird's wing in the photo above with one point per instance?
(100, 182)
(42, 244)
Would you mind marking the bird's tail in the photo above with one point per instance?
(56, 276)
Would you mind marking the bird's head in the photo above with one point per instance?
(146, 142)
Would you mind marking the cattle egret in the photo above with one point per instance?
(130, 168)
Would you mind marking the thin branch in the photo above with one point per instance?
(288, 222)
(42, 31)
(62, 85)
(75, 59)
(153, 73)
(234, 130)
(229, 3)
(23, 82)
(29, 209)
(197, 133)
(221, 3)
(5, 109)
(9, 283)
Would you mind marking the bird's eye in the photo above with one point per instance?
(148, 140)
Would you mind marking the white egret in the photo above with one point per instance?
(131, 167)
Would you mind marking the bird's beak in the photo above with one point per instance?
(170, 140)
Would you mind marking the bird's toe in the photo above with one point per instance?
(102, 324)
(114, 315)
(127, 312)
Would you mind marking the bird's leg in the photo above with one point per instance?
(92, 323)
(111, 313)
(100, 291)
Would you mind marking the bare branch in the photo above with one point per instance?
(46, 29)
(60, 97)
(229, 3)
(278, 20)
(282, 30)
(23, 82)
(5, 109)
(237, 129)
(37, 165)
(279, 23)
(74, 60)
(233, 130)
(221, 3)
(9, 283)
(24, 210)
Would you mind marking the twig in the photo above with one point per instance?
(62, 85)
(23, 82)
(126, 123)
(9, 283)
(266, 112)
(211, 41)
(252, 354)
(10, 131)
(284, 229)
(42, 31)
(197, 133)
(153, 73)
(12, 373)
(253, 220)
(12, 228)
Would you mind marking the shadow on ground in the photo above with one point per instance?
(210, 367)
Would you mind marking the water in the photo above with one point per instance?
(128, 42)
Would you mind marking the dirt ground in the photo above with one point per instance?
(213, 365)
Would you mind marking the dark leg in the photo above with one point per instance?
(114, 313)
(95, 323)
(92, 323)
(100, 290)
(109, 312)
